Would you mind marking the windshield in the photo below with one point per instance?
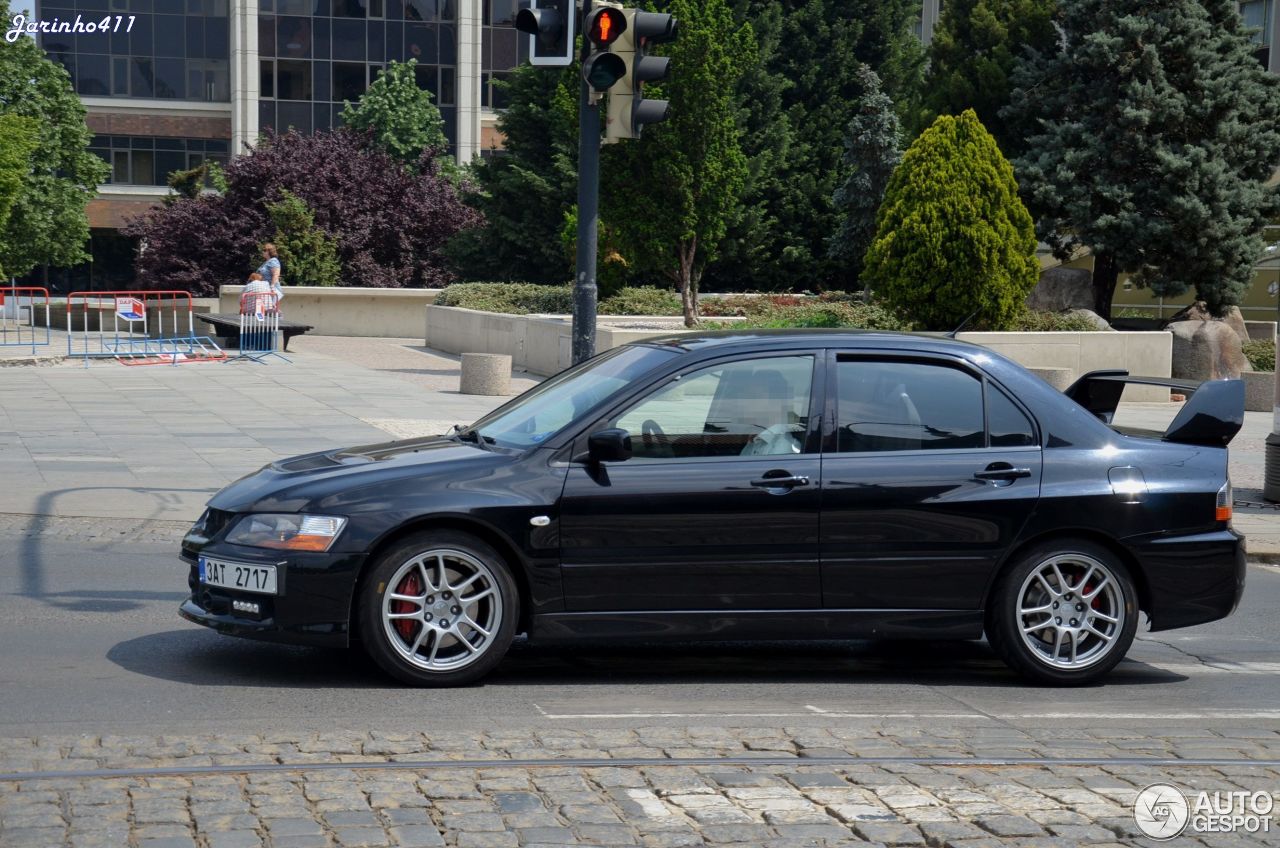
(539, 413)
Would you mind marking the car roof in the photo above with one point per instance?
(762, 339)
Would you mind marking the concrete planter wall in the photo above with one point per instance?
(1149, 354)
(542, 344)
(348, 311)
(539, 344)
(1259, 390)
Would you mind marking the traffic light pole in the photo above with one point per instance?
(584, 285)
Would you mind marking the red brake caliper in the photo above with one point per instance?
(410, 585)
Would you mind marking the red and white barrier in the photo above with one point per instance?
(137, 328)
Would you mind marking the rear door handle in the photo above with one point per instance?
(1001, 471)
(781, 482)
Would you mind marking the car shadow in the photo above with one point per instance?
(204, 658)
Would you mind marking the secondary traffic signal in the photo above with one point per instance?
(603, 26)
(549, 24)
(629, 111)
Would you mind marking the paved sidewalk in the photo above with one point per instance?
(157, 441)
(657, 786)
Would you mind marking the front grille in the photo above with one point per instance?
(215, 521)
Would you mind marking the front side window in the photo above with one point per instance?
(753, 407)
(901, 406)
(533, 417)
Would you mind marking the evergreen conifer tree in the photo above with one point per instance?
(872, 151)
(1152, 131)
(953, 238)
(974, 49)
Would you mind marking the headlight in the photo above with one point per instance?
(287, 532)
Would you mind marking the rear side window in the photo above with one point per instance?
(899, 406)
(1009, 426)
(913, 406)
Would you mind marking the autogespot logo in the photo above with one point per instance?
(1161, 811)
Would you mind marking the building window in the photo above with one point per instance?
(349, 81)
(293, 80)
(148, 161)
(175, 49)
(1256, 15)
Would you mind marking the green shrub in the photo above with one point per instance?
(309, 254)
(1033, 321)
(1261, 354)
(953, 238)
(776, 312)
(510, 298)
(641, 300)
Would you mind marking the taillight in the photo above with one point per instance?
(1222, 509)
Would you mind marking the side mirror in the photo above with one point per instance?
(612, 445)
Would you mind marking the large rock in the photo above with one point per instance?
(1060, 289)
(1199, 312)
(1207, 350)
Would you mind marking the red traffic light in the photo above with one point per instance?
(605, 26)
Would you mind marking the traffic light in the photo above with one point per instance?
(549, 24)
(629, 111)
(603, 26)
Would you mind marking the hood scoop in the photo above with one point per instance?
(310, 462)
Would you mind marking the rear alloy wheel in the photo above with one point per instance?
(439, 609)
(1065, 614)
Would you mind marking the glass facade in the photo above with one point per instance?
(144, 160)
(165, 49)
(314, 54)
(501, 50)
(1256, 15)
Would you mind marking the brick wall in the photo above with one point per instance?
(490, 137)
(167, 126)
(112, 212)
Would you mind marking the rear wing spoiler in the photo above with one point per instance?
(1212, 416)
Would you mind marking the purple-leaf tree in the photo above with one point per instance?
(391, 222)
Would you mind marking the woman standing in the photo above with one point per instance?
(270, 270)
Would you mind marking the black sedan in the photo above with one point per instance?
(789, 485)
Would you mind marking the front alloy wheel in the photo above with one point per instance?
(438, 610)
(1065, 614)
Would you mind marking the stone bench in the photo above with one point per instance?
(227, 326)
(486, 374)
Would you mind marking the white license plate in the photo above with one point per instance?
(240, 576)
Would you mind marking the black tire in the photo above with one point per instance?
(1005, 617)
(381, 635)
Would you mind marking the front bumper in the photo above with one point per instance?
(313, 607)
(1191, 579)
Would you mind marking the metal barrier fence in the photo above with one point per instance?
(137, 328)
(259, 327)
(19, 306)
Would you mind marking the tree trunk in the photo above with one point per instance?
(687, 283)
(1105, 274)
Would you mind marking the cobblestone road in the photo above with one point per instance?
(350, 789)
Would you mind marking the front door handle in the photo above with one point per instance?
(783, 480)
(1001, 471)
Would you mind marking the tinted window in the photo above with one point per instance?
(1009, 427)
(755, 407)
(896, 406)
(537, 414)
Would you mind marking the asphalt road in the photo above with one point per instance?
(92, 644)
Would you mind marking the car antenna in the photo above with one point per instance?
(963, 324)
